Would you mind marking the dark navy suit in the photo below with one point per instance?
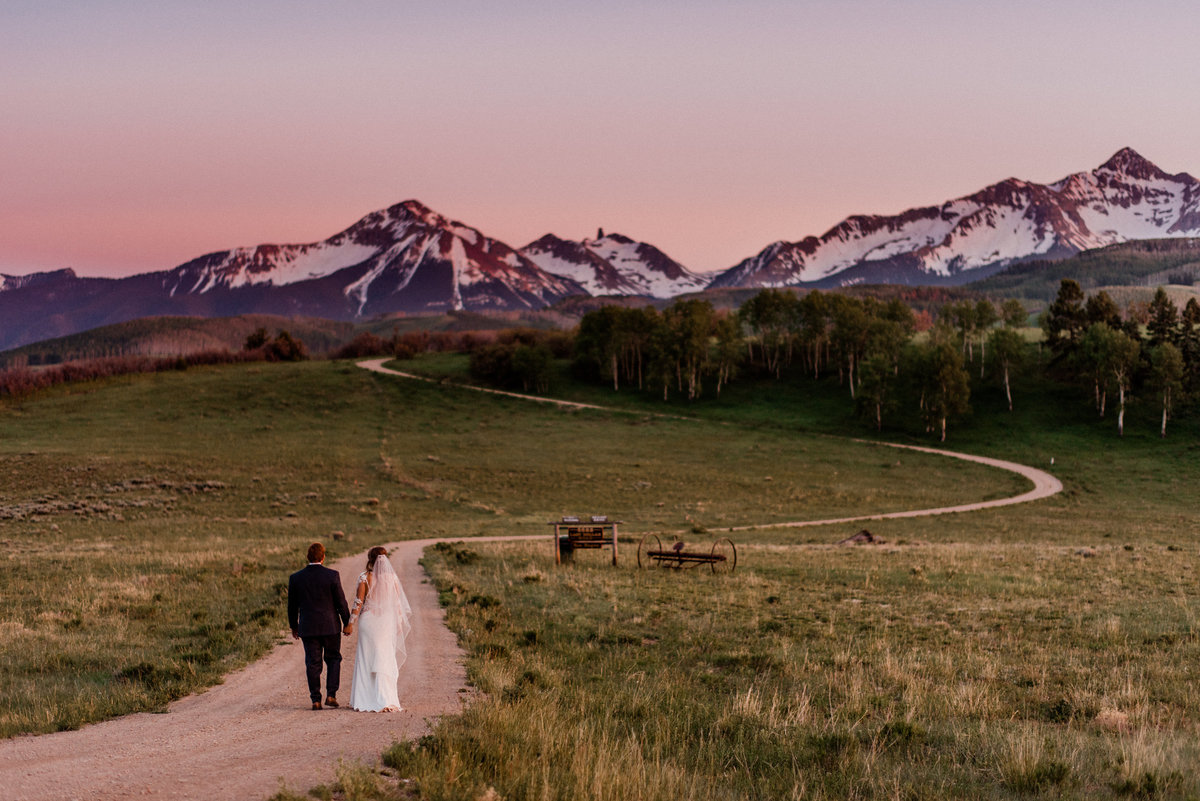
(317, 611)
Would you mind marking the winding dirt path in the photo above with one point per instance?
(1044, 484)
(243, 738)
(240, 739)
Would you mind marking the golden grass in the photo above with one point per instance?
(920, 671)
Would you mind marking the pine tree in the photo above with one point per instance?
(1163, 324)
(1100, 308)
(1064, 321)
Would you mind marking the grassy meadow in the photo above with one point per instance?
(917, 671)
(149, 525)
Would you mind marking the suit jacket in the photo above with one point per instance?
(316, 602)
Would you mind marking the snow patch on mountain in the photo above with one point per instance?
(1125, 198)
(614, 264)
(406, 257)
(14, 282)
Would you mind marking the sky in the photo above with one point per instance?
(135, 136)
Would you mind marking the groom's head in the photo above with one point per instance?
(316, 553)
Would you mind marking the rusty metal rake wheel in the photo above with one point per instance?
(724, 556)
(650, 542)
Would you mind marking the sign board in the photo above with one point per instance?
(572, 532)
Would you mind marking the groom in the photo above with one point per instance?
(316, 613)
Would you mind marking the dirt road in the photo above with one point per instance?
(240, 739)
(1044, 484)
(237, 740)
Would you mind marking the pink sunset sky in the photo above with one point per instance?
(138, 135)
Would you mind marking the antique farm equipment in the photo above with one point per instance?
(721, 557)
(573, 531)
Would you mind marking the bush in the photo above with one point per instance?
(559, 343)
(514, 366)
(365, 344)
(20, 382)
(257, 340)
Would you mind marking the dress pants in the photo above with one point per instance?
(327, 649)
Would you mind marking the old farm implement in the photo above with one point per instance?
(721, 557)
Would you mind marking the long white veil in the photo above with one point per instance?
(386, 597)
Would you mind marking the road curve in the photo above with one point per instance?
(243, 738)
(1044, 484)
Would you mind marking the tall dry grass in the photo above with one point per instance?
(820, 673)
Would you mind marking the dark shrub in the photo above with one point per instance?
(363, 345)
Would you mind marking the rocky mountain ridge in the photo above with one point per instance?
(1126, 198)
(410, 259)
(614, 264)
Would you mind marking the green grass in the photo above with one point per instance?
(150, 522)
(1132, 488)
(171, 336)
(1043, 650)
(913, 671)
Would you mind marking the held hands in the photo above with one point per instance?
(348, 630)
(295, 634)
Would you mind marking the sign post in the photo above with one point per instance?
(572, 531)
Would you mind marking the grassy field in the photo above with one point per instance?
(150, 523)
(917, 671)
(1135, 488)
(1044, 650)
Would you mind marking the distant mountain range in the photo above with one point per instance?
(408, 258)
(1125, 198)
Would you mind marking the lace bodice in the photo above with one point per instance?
(363, 578)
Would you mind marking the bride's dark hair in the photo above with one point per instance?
(374, 554)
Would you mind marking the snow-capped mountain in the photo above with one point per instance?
(962, 240)
(8, 282)
(614, 265)
(404, 258)
(408, 258)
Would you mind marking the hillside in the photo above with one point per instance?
(1150, 262)
(176, 336)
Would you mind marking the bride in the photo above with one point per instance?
(382, 612)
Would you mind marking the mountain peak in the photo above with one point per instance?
(614, 264)
(1129, 162)
(416, 209)
(546, 240)
(34, 279)
(1014, 220)
(614, 237)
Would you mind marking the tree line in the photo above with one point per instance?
(894, 365)
(1114, 355)
(21, 382)
(887, 370)
(868, 343)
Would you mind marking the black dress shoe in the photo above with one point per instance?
(331, 702)
(316, 705)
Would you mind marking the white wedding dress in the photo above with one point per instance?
(383, 626)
